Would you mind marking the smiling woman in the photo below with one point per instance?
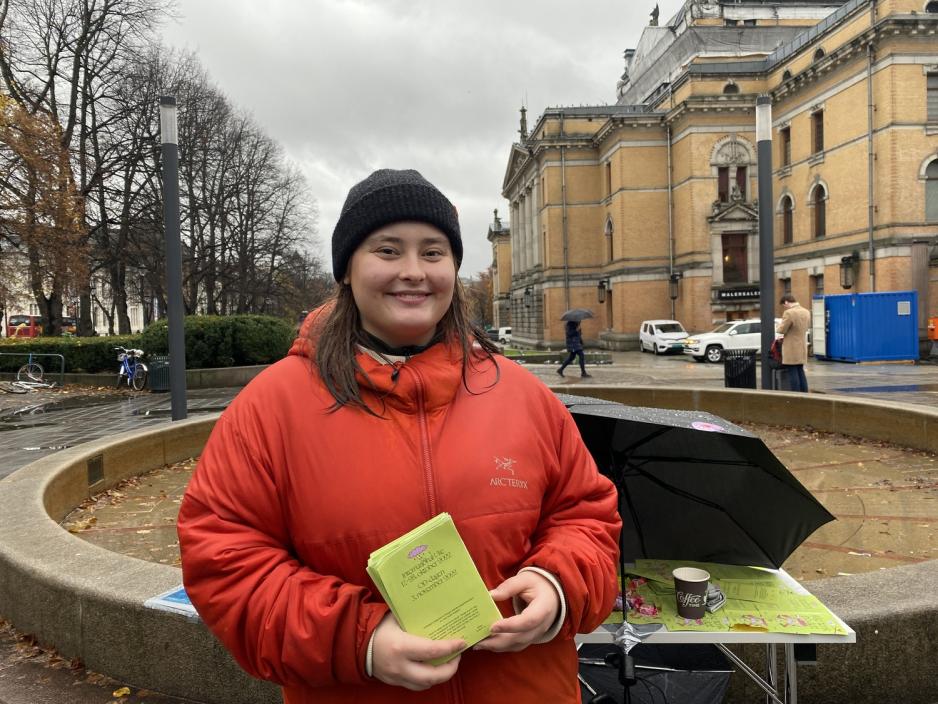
(391, 409)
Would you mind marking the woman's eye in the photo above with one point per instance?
(386, 250)
(433, 253)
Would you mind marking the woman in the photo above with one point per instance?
(574, 343)
(389, 410)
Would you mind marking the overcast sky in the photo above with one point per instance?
(349, 86)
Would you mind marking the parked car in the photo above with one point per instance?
(733, 335)
(501, 335)
(661, 336)
(24, 326)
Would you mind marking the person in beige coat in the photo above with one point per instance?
(794, 326)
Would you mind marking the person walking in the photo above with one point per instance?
(796, 321)
(389, 410)
(574, 342)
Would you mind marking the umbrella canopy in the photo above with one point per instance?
(577, 314)
(693, 486)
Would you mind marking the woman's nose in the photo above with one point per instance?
(412, 268)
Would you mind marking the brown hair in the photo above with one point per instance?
(336, 343)
(788, 298)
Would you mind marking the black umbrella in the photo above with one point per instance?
(693, 486)
(577, 314)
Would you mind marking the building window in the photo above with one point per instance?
(730, 23)
(817, 285)
(608, 178)
(723, 184)
(749, 23)
(931, 191)
(734, 258)
(730, 89)
(932, 7)
(784, 139)
(932, 99)
(608, 231)
(742, 181)
(817, 131)
(786, 75)
(819, 199)
(819, 54)
(788, 228)
(785, 286)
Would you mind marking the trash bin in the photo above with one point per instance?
(739, 369)
(159, 372)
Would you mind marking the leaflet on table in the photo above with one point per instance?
(432, 586)
(789, 612)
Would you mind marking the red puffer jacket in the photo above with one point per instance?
(289, 499)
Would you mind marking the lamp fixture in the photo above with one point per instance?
(528, 296)
(673, 281)
(601, 289)
(848, 269)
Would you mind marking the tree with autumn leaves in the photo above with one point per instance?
(41, 210)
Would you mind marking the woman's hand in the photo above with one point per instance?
(541, 606)
(398, 657)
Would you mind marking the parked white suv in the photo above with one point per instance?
(660, 336)
(734, 335)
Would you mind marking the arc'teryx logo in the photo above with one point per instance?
(506, 465)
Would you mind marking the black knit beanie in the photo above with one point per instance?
(386, 197)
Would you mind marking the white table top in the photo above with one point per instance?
(606, 633)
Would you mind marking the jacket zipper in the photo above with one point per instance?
(429, 484)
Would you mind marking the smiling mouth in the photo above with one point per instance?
(411, 295)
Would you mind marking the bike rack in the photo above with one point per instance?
(61, 359)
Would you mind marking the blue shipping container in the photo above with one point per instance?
(872, 327)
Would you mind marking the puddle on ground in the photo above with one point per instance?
(900, 388)
(159, 412)
(885, 499)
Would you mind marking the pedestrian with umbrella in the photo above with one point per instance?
(574, 339)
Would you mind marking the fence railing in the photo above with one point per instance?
(33, 355)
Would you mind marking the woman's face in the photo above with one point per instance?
(402, 278)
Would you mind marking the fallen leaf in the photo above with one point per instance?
(122, 692)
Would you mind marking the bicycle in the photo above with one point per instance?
(31, 371)
(131, 369)
(11, 387)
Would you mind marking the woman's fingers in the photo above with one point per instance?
(399, 658)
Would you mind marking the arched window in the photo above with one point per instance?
(819, 199)
(932, 7)
(786, 75)
(931, 191)
(788, 227)
(819, 54)
(730, 88)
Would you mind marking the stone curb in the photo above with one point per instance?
(88, 602)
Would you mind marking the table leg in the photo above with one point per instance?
(791, 675)
(771, 666)
(770, 692)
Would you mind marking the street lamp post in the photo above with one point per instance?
(766, 238)
(176, 310)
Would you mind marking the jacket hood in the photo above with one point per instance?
(429, 379)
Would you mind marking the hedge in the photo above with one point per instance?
(211, 341)
(82, 354)
(225, 341)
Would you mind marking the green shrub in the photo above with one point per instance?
(211, 341)
(82, 354)
(225, 341)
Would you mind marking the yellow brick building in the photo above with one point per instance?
(647, 208)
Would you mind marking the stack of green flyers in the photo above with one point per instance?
(430, 582)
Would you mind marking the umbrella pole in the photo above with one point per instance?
(625, 661)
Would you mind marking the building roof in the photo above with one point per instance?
(665, 52)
